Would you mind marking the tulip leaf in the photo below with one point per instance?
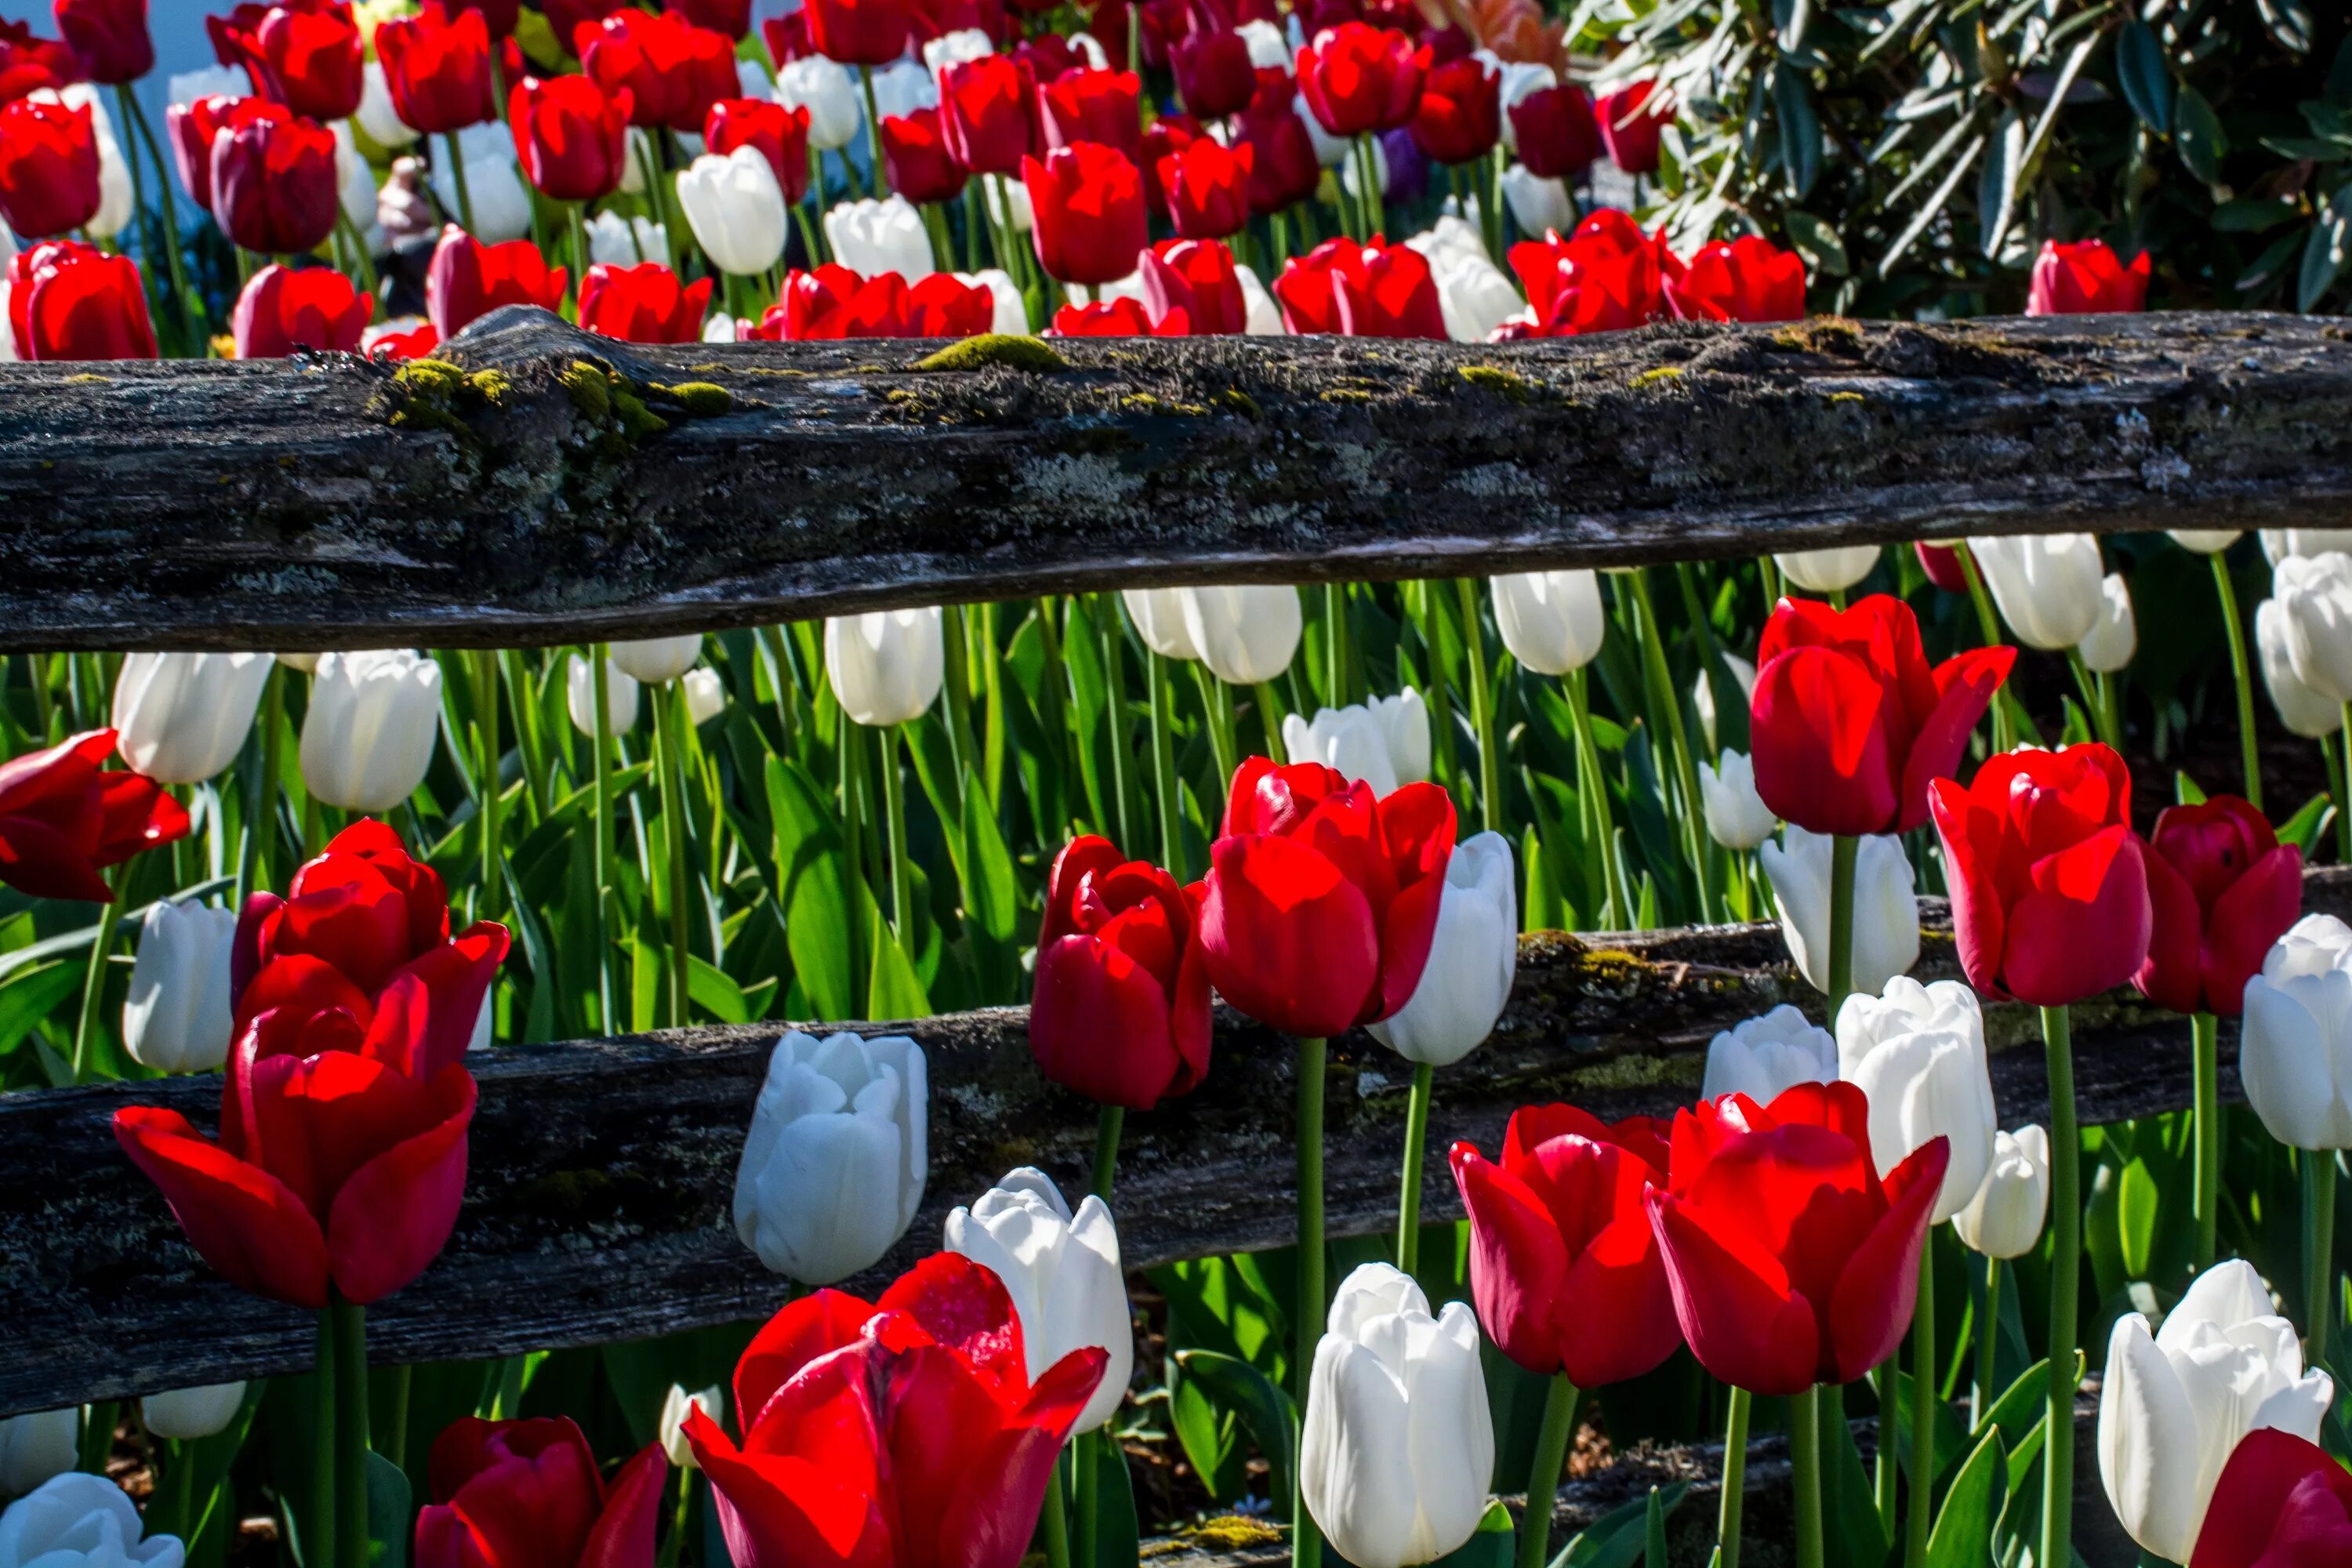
(388, 1513)
(894, 992)
(1852, 1531)
(2138, 1204)
(2184, 789)
(1264, 1411)
(2198, 135)
(1962, 1537)
(28, 995)
(2304, 828)
(1951, 1438)
(717, 994)
(1117, 1535)
(1617, 1539)
(1490, 1544)
(2141, 71)
(991, 898)
(1653, 1534)
(812, 890)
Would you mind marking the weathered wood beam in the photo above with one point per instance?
(325, 501)
(602, 1171)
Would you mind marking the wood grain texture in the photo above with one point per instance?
(324, 501)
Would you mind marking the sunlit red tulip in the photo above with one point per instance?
(1207, 186)
(306, 54)
(437, 68)
(274, 185)
(831, 301)
(63, 821)
(469, 279)
(1630, 126)
(68, 300)
(986, 108)
(572, 135)
(1358, 78)
(1460, 117)
(1607, 276)
(643, 304)
(1557, 131)
(1198, 278)
(672, 71)
(527, 1494)
(1376, 290)
(195, 125)
(1747, 279)
(2222, 890)
(1120, 318)
(414, 342)
(1285, 171)
(1121, 1010)
(2282, 1501)
(732, 17)
(857, 32)
(780, 133)
(1097, 106)
(110, 36)
(29, 64)
(2085, 278)
(1087, 201)
(48, 167)
(1214, 73)
(1166, 136)
(283, 309)
(922, 168)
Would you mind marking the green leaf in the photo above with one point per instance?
(30, 994)
(2145, 78)
(2304, 828)
(1265, 1411)
(1801, 129)
(2199, 136)
(1489, 1546)
(1962, 1537)
(388, 1513)
(895, 993)
(1850, 1522)
(1618, 1538)
(2289, 22)
(1118, 1535)
(711, 989)
(2250, 214)
(991, 898)
(2325, 253)
(812, 890)
(1817, 242)
(2185, 791)
(1653, 1535)
(1997, 183)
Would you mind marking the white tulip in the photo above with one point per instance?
(1090, 49)
(871, 237)
(368, 737)
(2311, 714)
(1244, 635)
(187, 1414)
(826, 91)
(1329, 151)
(617, 241)
(1009, 196)
(177, 1016)
(1472, 957)
(1831, 570)
(1473, 293)
(2204, 540)
(77, 1521)
(887, 666)
(1398, 1443)
(2294, 1051)
(1765, 1057)
(2280, 543)
(1886, 908)
(493, 185)
(1011, 312)
(706, 694)
(1919, 1053)
(1158, 617)
(736, 210)
(676, 1404)
(34, 1447)
(637, 152)
(181, 717)
(1450, 237)
(1703, 693)
(959, 48)
(376, 115)
(580, 696)
(1736, 816)
(1384, 743)
(2109, 645)
(1128, 288)
(1268, 49)
(2313, 593)
(2004, 1219)
(1351, 171)
(1537, 202)
(1552, 621)
(2046, 585)
(1062, 1273)
(903, 86)
(653, 660)
(2174, 1404)
(833, 1170)
(1261, 316)
(209, 81)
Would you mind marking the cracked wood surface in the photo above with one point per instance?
(324, 501)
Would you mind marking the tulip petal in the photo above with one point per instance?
(1872, 1306)
(1518, 1264)
(2171, 975)
(1100, 1025)
(1733, 1300)
(2147, 1455)
(1971, 844)
(805, 1327)
(1965, 685)
(38, 860)
(2083, 928)
(1619, 1306)
(964, 1308)
(624, 1535)
(1819, 724)
(2254, 913)
(2267, 1480)
(395, 1214)
(1288, 940)
(242, 1220)
(780, 1510)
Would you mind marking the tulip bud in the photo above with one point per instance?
(706, 694)
(2294, 1051)
(1552, 621)
(1736, 816)
(181, 717)
(1886, 908)
(1703, 695)
(737, 210)
(177, 1017)
(2311, 714)
(1062, 1273)
(657, 660)
(34, 1447)
(2004, 1219)
(871, 237)
(1244, 635)
(822, 87)
(617, 241)
(78, 1520)
(1398, 1443)
(2110, 644)
(2177, 1402)
(1158, 617)
(885, 666)
(1538, 203)
(2204, 540)
(1762, 1057)
(1472, 959)
(1384, 743)
(833, 1169)
(1919, 1053)
(186, 1413)
(677, 1405)
(2315, 594)
(2046, 585)
(368, 737)
(580, 696)
(1831, 570)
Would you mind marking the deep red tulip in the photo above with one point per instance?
(905, 1433)
(527, 1494)
(438, 69)
(2282, 1503)
(1630, 124)
(930, 19)
(1748, 280)
(732, 17)
(275, 184)
(282, 310)
(780, 133)
(502, 15)
(1850, 723)
(564, 17)
(1088, 200)
(29, 64)
(1214, 73)
(48, 167)
(1791, 1259)
(1358, 78)
(1557, 131)
(1163, 139)
(672, 71)
(833, 302)
(787, 37)
(1208, 189)
(1285, 171)
(643, 304)
(1376, 290)
(987, 106)
(572, 135)
(1321, 900)
(1941, 563)
(68, 300)
(1120, 318)
(469, 279)
(1050, 56)
(110, 36)
(2083, 278)
(1197, 277)
(1564, 1264)
(2049, 885)
(417, 342)
(921, 166)
(194, 126)
(306, 54)
(63, 821)
(1460, 117)
(1607, 276)
(857, 32)
(1098, 106)
(2221, 888)
(1121, 1010)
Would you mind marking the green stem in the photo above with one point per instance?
(1306, 1550)
(1083, 1460)
(1217, 701)
(191, 307)
(1887, 1478)
(2204, 1030)
(1543, 1475)
(1988, 1342)
(1416, 1134)
(322, 1543)
(2337, 750)
(2088, 685)
(675, 1541)
(1653, 668)
(1109, 1121)
(601, 763)
(873, 130)
(1270, 713)
(1335, 644)
(2318, 1252)
(93, 985)
(577, 214)
(849, 743)
(394, 1446)
(1921, 1511)
(670, 723)
(902, 868)
(1734, 1481)
(1054, 1516)
(457, 178)
(1593, 784)
(359, 257)
(1805, 1474)
(486, 664)
(1113, 663)
(2242, 670)
(181, 1459)
(1368, 192)
(350, 1430)
(262, 790)
(1482, 710)
(2065, 1288)
(1988, 628)
(1164, 764)
(1844, 848)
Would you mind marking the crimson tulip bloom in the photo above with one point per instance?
(857, 32)
(1748, 280)
(1050, 56)
(1121, 1010)
(1460, 117)
(110, 36)
(1849, 723)
(906, 1432)
(469, 279)
(643, 304)
(573, 136)
(274, 185)
(1358, 78)
(834, 302)
(1208, 189)
(1564, 1264)
(1376, 290)
(987, 108)
(1163, 139)
(2084, 278)
(28, 64)
(1088, 200)
(732, 17)
(2049, 885)
(2282, 1503)
(780, 133)
(48, 167)
(1607, 276)
(1630, 125)
(1121, 317)
(306, 54)
(2221, 888)
(1285, 171)
(921, 166)
(672, 71)
(417, 342)
(63, 821)
(1214, 75)
(437, 68)
(500, 14)
(1558, 134)
(527, 1494)
(1791, 1259)
(1196, 278)
(1097, 106)
(194, 126)
(282, 310)
(1941, 563)
(68, 300)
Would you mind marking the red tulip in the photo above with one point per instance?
(315, 309)
(28, 64)
(2282, 1503)
(2083, 278)
(1791, 1259)
(1050, 56)
(643, 304)
(1121, 1010)
(2221, 888)
(1163, 139)
(438, 69)
(906, 1433)
(469, 279)
(110, 36)
(1098, 106)
(1358, 78)
(1088, 200)
(194, 126)
(48, 167)
(1460, 117)
(857, 32)
(1607, 276)
(1121, 317)
(1197, 277)
(572, 137)
(2049, 886)
(564, 17)
(1848, 722)
(1749, 279)
(1376, 290)
(1564, 1266)
(502, 15)
(1556, 130)
(1208, 189)
(731, 17)
(1214, 73)
(306, 54)
(930, 19)
(1285, 172)
(780, 133)
(527, 1494)
(920, 164)
(672, 72)
(417, 342)
(1941, 563)
(63, 821)
(833, 302)
(1630, 124)
(275, 184)
(68, 300)
(1321, 902)
(987, 108)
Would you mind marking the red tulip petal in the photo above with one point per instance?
(624, 1536)
(1733, 1301)
(37, 860)
(1871, 1307)
(1518, 1265)
(2085, 926)
(1407, 932)
(2276, 1484)
(2172, 975)
(2255, 912)
(535, 1498)
(964, 1307)
(780, 1510)
(240, 1220)
(459, 974)
(1618, 1309)
(1288, 941)
(1241, 797)
(1187, 1020)
(1100, 1026)
(1819, 726)
(1971, 841)
(805, 1327)
(1964, 685)
(395, 1214)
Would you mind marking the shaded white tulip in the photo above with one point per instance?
(869, 236)
(706, 694)
(736, 210)
(1062, 1273)
(1008, 200)
(833, 1167)
(826, 89)
(1474, 295)
(1473, 957)
(494, 184)
(1012, 312)
(1538, 202)
(376, 115)
(2280, 543)
(1158, 617)
(2110, 644)
(1244, 635)
(1703, 693)
(177, 1016)
(2204, 540)
(1261, 316)
(34, 1447)
(181, 717)
(2046, 585)
(2313, 593)
(2004, 1219)
(2176, 1403)
(1886, 908)
(617, 241)
(77, 1521)
(653, 660)
(885, 666)
(1384, 743)
(186, 1413)
(1763, 1057)
(676, 1404)
(368, 737)
(903, 86)
(959, 48)
(1329, 151)
(2294, 1049)
(580, 696)
(1351, 178)
(2311, 714)
(209, 81)
(1268, 49)
(1919, 1053)
(1398, 1443)
(117, 199)
(1552, 621)
(1831, 570)
(1736, 816)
